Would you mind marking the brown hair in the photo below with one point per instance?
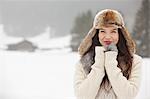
(124, 57)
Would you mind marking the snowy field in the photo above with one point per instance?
(46, 75)
(39, 75)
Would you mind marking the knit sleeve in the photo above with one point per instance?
(122, 87)
(87, 86)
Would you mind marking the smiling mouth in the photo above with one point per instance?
(107, 42)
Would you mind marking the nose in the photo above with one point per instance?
(107, 36)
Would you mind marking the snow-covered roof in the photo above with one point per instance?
(5, 40)
(42, 41)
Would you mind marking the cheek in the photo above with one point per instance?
(116, 39)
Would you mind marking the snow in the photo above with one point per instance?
(4, 39)
(45, 36)
(43, 41)
(145, 83)
(39, 75)
(57, 43)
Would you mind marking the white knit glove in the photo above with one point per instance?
(111, 55)
(99, 57)
(111, 47)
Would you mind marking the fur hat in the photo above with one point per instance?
(107, 17)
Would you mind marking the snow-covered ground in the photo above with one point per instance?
(144, 92)
(46, 75)
(40, 75)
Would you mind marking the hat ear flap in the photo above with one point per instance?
(87, 42)
(130, 43)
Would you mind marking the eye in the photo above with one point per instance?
(101, 31)
(114, 32)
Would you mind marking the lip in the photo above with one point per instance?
(107, 42)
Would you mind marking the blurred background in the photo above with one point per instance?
(39, 41)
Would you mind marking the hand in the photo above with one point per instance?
(111, 55)
(111, 47)
(99, 56)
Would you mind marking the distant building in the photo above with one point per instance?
(24, 45)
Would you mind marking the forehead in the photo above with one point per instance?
(109, 28)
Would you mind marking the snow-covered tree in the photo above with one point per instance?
(141, 30)
(82, 25)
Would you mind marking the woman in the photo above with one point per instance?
(109, 67)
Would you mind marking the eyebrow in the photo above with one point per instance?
(114, 29)
(104, 29)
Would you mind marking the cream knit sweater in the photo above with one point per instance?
(88, 86)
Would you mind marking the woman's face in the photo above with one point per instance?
(108, 35)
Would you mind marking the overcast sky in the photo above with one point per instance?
(61, 13)
(71, 0)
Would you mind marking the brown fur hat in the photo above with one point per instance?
(105, 18)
